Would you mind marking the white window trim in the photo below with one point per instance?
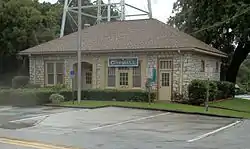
(54, 73)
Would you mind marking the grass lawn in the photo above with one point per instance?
(160, 106)
(236, 104)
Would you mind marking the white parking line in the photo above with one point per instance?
(129, 121)
(213, 132)
(41, 116)
(6, 108)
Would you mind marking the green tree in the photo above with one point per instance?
(23, 24)
(224, 24)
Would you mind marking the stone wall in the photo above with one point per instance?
(37, 68)
(186, 67)
(192, 68)
(176, 72)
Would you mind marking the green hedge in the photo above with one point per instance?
(24, 97)
(197, 91)
(20, 81)
(39, 96)
(109, 95)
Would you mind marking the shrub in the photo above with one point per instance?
(20, 81)
(197, 91)
(33, 86)
(58, 88)
(225, 89)
(110, 95)
(179, 98)
(24, 97)
(56, 98)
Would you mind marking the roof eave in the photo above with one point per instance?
(127, 50)
(224, 55)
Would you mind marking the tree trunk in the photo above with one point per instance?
(239, 56)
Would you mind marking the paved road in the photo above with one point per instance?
(118, 128)
(243, 96)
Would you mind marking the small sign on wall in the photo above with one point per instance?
(123, 62)
(72, 74)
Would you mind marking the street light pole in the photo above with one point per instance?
(79, 56)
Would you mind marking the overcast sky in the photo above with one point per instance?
(161, 8)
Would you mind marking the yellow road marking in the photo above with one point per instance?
(31, 144)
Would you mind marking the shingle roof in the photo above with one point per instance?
(122, 35)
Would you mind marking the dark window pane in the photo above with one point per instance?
(111, 77)
(50, 78)
(88, 78)
(50, 68)
(59, 79)
(59, 67)
(137, 76)
(124, 78)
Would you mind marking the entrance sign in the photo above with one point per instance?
(72, 74)
(123, 62)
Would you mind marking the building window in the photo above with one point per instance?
(111, 77)
(123, 78)
(202, 66)
(137, 76)
(88, 76)
(54, 73)
(166, 64)
(217, 67)
(165, 79)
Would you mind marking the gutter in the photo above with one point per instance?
(129, 50)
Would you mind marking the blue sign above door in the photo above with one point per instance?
(123, 62)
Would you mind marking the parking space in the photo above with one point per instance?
(12, 114)
(114, 127)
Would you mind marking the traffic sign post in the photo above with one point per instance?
(72, 76)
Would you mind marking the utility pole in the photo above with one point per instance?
(79, 55)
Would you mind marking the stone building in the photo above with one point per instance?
(123, 54)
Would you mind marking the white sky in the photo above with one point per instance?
(162, 9)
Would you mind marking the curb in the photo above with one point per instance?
(229, 109)
(151, 109)
(75, 107)
(181, 112)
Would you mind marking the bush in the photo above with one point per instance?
(225, 89)
(110, 95)
(58, 88)
(33, 86)
(56, 98)
(20, 81)
(39, 96)
(197, 91)
(24, 97)
(179, 98)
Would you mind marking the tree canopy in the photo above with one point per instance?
(27, 23)
(223, 24)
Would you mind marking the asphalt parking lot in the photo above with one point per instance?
(118, 128)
